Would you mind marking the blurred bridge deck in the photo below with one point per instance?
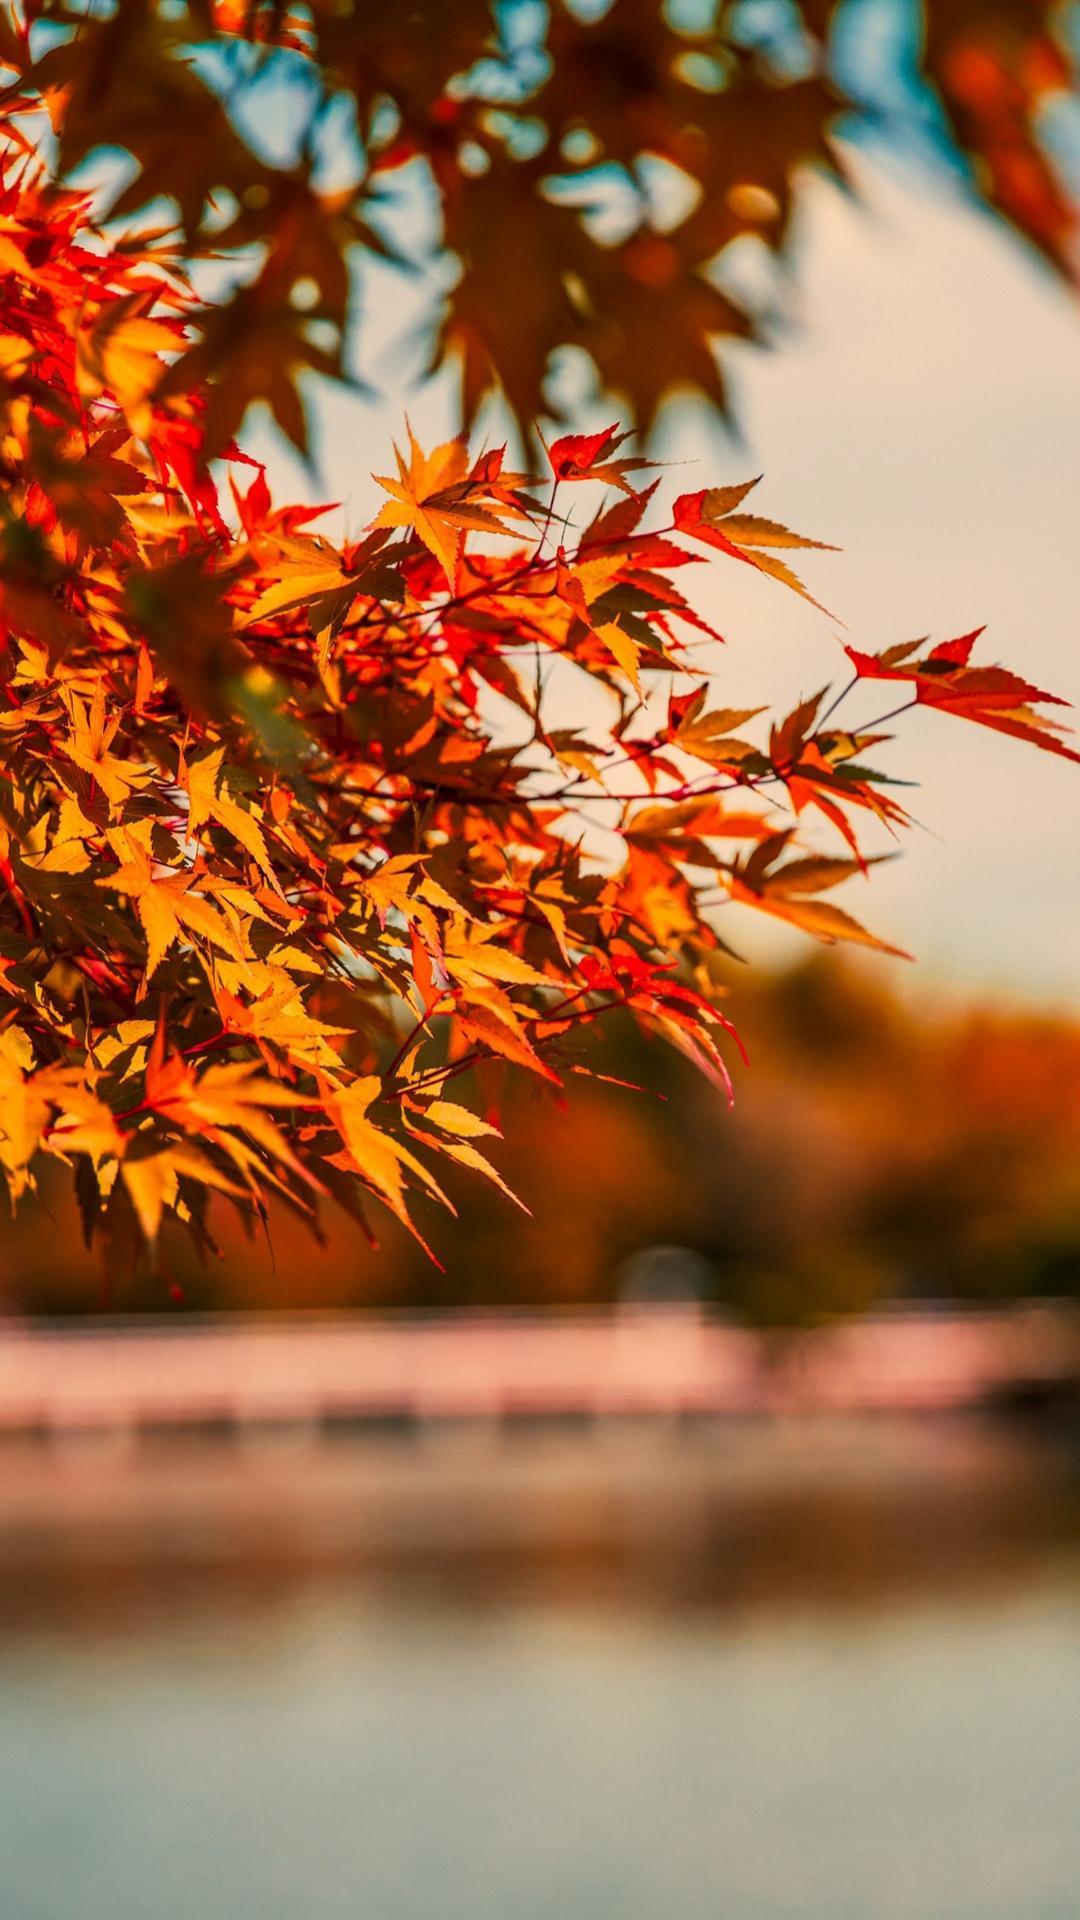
(141, 1376)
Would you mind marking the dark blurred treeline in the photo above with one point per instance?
(880, 1148)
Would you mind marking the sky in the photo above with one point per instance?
(922, 411)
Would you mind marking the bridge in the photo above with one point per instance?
(64, 1379)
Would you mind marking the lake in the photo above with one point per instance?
(791, 1670)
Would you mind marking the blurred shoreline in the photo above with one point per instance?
(751, 1519)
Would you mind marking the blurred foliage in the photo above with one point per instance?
(604, 157)
(879, 1149)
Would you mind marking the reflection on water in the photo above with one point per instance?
(805, 1671)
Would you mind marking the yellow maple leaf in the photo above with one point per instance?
(436, 494)
(279, 1017)
(88, 746)
(222, 1104)
(24, 1115)
(153, 1179)
(201, 779)
(166, 903)
(83, 1123)
(118, 350)
(380, 1159)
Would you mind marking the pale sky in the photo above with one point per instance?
(923, 412)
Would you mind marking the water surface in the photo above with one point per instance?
(822, 1673)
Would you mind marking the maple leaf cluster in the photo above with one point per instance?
(604, 157)
(272, 878)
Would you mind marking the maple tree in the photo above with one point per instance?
(276, 869)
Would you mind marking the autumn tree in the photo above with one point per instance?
(293, 849)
